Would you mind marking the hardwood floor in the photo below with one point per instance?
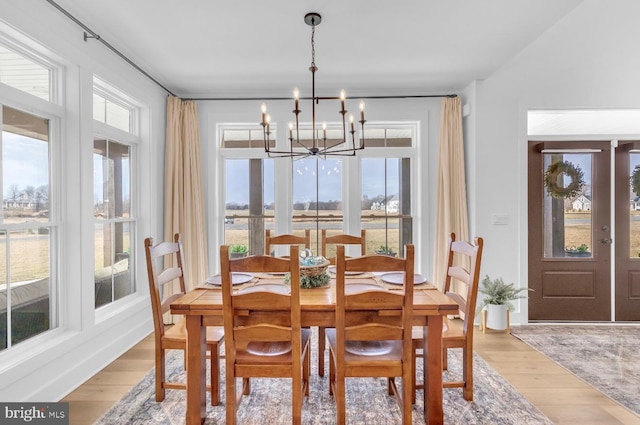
(561, 396)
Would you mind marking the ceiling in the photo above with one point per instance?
(242, 48)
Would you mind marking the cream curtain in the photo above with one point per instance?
(184, 196)
(451, 203)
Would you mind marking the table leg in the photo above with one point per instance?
(433, 413)
(196, 370)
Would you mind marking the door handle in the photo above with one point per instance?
(606, 240)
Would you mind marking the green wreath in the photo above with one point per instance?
(635, 180)
(568, 169)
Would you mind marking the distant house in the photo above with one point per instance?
(635, 204)
(393, 204)
(581, 203)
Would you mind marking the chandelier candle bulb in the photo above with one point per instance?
(351, 122)
(264, 114)
(291, 131)
(362, 112)
(324, 131)
(342, 98)
(296, 96)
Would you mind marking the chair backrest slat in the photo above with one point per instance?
(343, 239)
(286, 239)
(164, 270)
(463, 277)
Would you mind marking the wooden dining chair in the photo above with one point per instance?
(461, 284)
(163, 291)
(343, 239)
(372, 337)
(286, 239)
(264, 338)
(339, 239)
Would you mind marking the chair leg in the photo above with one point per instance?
(445, 364)
(332, 373)
(306, 368)
(230, 396)
(215, 374)
(339, 396)
(414, 371)
(467, 373)
(296, 398)
(321, 349)
(408, 377)
(160, 374)
(246, 386)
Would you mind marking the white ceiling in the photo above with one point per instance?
(218, 48)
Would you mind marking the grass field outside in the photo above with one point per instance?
(30, 249)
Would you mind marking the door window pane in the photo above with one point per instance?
(567, 213)
(634, 204)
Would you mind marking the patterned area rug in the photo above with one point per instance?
(605, 357)
(495, 401)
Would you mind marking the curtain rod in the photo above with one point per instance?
(92, 34)
(416, 96)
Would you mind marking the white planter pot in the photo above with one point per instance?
(496, 317)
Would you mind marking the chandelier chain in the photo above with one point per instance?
(313, 47)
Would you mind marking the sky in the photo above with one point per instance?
(329, 172)
(26, 160)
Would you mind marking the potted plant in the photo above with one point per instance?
(580, 251)
(385, 250)
(497, 300)
(238, 251)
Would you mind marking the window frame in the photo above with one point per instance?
(33, 105)
(283, 197)
(132, 140)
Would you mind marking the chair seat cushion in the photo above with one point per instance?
(271, 352)
(365, 350)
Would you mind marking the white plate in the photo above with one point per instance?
(398, 278)
(236, 279)
(332, 269)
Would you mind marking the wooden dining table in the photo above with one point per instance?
(202, 307)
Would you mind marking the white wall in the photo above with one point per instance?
(587, 60)
(47, 367)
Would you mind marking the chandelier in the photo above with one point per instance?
(319, 146)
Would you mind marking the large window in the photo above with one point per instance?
(28, 286)
(315, 197)
(114, 217)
